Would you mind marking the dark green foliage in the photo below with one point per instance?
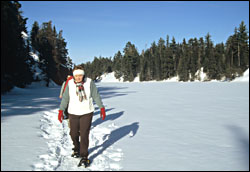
(237, 52)
(117, 64)
(15, 58)
(51, 47)
(98, 67)
(34, 37)
(167, 59)
(162, 60)
(130, 62)
(183, 71)
(16, 62)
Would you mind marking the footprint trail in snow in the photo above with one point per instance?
(60, 147)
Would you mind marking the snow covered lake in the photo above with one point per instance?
(149, 126)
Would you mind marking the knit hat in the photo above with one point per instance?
(78, 72)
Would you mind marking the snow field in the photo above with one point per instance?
(188, 126)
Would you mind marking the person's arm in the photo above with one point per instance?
(65, 99)
(95, 94)
(61, 92)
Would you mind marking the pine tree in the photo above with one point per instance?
(34, 38)
(229, 57)
(174, 50)
(142, 67)
(15, 70)
(157, 54)
(46, 49)
(183, 66)
(194, 58)
(97, 68)
(220, 61)
(169, 63)
(151, 61)
(212, 67)
(130, 62)
(61, 49)
(201, 55)
(243, 47)
(118, 64)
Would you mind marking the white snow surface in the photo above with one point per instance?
(244, 78)
(110, 77)
(34, 56)
(149, 126)
(24, 35)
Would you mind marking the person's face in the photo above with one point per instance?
(78, 78)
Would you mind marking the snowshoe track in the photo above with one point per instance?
(60, 147)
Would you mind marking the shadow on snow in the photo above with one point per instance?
(242, 142)
(29, 101)
(113, 137)
(109, 92)
(32, 100)
(109, 117)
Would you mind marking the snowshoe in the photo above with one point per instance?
(84, 162)
(75, 154)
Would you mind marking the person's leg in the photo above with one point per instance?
(85, 124)
(74, 131)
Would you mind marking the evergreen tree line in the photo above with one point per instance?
(163, 60)
(166, 59)
(51, 48)
(17, 65)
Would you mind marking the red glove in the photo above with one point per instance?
(60, 115)
(103, 114)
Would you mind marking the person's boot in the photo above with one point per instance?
(84, 161)
(75, 154)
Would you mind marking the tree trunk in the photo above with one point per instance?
(238, 55)
(232, 59)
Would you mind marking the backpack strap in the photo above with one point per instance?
(71, 77)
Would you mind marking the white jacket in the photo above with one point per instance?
(76, 107)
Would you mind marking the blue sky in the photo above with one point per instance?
(93, 28)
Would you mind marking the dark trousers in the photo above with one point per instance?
(80, 126)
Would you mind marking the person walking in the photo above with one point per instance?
(79, 94)
(62, 88)
(65, 113)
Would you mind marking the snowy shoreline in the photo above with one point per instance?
(110, 77)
